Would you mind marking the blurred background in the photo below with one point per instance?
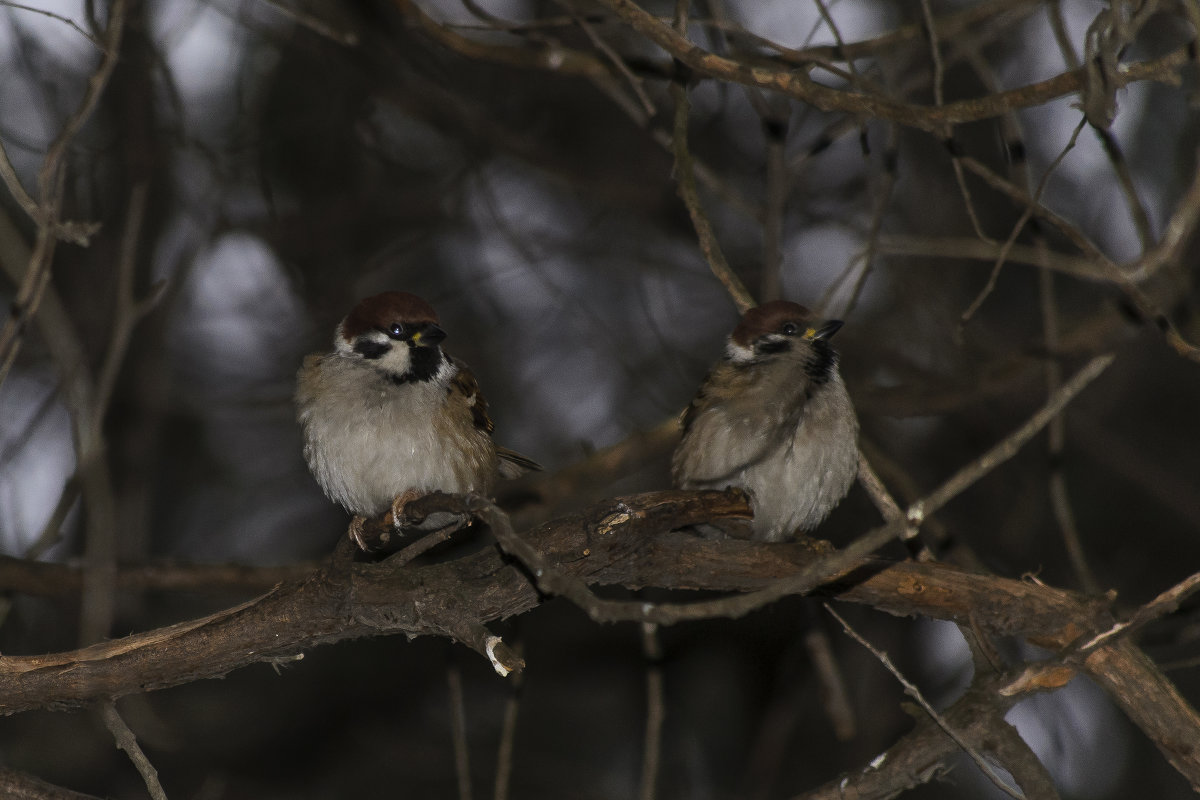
(256, 166)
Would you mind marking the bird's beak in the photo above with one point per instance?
(825, 331)
(428, 336)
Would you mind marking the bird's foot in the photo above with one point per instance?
(358, 532)
(398, 518)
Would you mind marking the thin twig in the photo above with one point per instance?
(51, 181)
(774, 210)
(52, 530)
(424, 544)
(1007, 448)
(655, 712)
(1060, 501)
(835, 696)
(1019, 169)
(939, 72)
(1183, 223)
(798, 84)
(15, 188)
(129, 310)
(98, 602)
(935, 52)
(685, 176)
(70, 23)
(970, 248)
(315, 24)
(458, 729)
(878, 493)
(1120, 165)
(508, 736)
(1176, 234)
(912, 691)
(1026, 215)
(1165, 603)
(890, 510)
(614, 58)
(883, 198)
(126, 741)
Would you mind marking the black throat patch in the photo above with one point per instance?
(821, 363)
(424, 365)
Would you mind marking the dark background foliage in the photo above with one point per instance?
(297, 156)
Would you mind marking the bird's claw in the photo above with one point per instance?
(358, 532)
(399, 520)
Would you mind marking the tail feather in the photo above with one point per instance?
(513, 464)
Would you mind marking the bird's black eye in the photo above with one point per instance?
(788, 329)
(396, 331)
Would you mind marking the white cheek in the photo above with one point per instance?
(739, 354)
(397, 360)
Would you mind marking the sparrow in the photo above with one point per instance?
(773, 418)
(388, 416)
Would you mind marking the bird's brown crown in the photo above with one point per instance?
(770, 318)
(378, 312)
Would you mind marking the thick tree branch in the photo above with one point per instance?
(627, 541)
(921, 755)
(16, 785)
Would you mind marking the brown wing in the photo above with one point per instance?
(725, 382)
(699, 401)
(464, 384)
(729, 426)
(512, 463)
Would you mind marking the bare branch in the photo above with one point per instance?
(921, 755)
(50, 183)
(912, 691)
(655, 712)
(1026, 215)
(458, 729)
(1006, 449)
(508, 733)
(1165, 603)
(315, 24)
(685, 176)
(799, 85)
(20, 786)
(128, 742)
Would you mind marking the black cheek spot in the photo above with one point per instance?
(370, 349)
(769, 346)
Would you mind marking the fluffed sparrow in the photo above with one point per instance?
(773, 417)
(388, 416)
